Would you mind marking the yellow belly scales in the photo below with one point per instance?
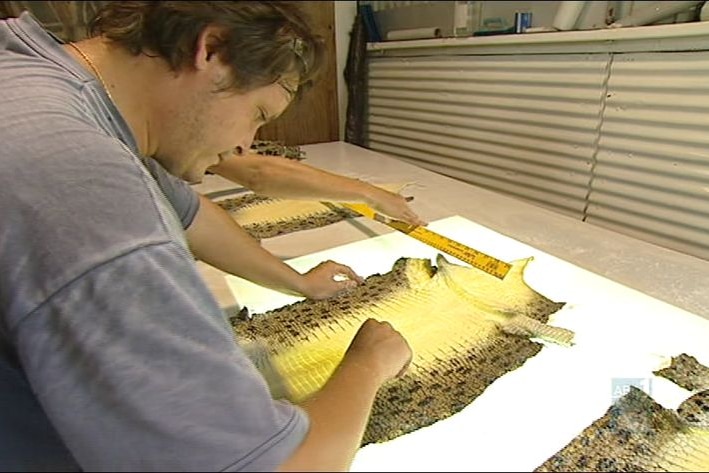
(264, 217)
(466, 329)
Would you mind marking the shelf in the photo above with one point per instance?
(684, 36)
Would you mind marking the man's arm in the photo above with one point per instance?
(286, 178)
(340, 410)
(215, 238)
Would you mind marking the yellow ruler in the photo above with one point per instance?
(473, 257)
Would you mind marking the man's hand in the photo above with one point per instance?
(329, 279)
(288, 179)
(395, 206)
(381, 349)
(339, 412)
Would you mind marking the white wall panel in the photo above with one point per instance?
(523, 125)
(527, 182)
(652, 170)
(618, 139)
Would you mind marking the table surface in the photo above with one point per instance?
(632, 306)
(670, 276)
(621, 336)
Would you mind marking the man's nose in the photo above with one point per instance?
(245, 145)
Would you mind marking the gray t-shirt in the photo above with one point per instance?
(114, 355)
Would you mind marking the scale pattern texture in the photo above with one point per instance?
(685, 371)
(466, 329)
(264, 217)
(638, 434)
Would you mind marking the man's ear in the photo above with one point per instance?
(206, 51)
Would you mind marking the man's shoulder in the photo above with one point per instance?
(39, 80)
(40, 99)
(24, 70)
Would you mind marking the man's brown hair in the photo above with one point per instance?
(263, 42)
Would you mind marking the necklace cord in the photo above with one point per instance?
(94, 69)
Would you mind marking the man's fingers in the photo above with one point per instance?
(344, 273)
(352, 276)
(347, 286)
(350, 273)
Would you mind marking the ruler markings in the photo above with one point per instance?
(463, 252)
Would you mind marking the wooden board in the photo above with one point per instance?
(313, 118)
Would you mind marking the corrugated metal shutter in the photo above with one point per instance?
(523, 125)
(651, 178)
(607, 126)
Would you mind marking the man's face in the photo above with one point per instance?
(209, 124)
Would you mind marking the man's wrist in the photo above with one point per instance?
(365, 371)
(370, 194)
(300, 286)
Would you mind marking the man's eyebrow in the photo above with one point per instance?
(291, 95)
(267, 117)
(291, 92)
(264, 114)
